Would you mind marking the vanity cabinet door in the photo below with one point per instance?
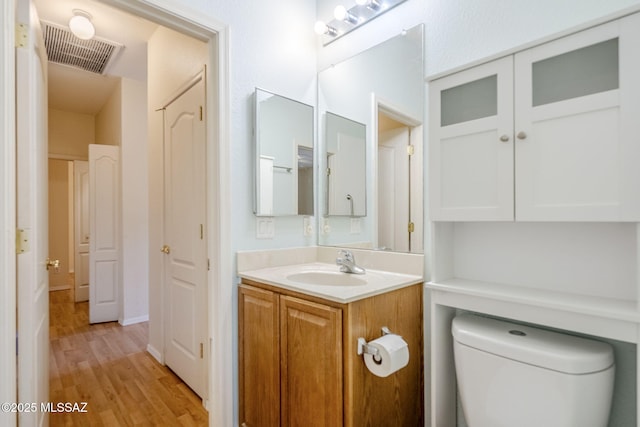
(471, 144)
(311, 363)
(259, 357)
(577, 104)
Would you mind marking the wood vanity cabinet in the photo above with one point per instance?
(298, 364)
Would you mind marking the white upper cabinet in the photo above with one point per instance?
(556, 126)
(471, 149)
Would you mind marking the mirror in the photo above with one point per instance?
(283, 134)
(376, 98)
(346, 166)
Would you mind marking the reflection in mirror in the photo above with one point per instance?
(346, 164)
(383, 90)
(284, 156)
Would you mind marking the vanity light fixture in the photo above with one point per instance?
(348, 19)
(342, 14)
(81, 26)
(321, 28)
(371, 4)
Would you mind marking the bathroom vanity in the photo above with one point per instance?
(298, 334)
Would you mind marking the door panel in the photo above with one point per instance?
(311, 364)
(186, 257)
(104, 223)
(571, 104)
(472, 137)
(81, 229)
(32, 217)
(393, 189)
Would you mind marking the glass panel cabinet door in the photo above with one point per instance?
(471, 144)
(573, 126)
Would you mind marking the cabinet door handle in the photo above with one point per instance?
(521, 135)
(504, 138)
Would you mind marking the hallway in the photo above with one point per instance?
(107, 366)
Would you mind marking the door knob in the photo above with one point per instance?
(521, 135)
(165, 249)
(55, 263)
(504, 138)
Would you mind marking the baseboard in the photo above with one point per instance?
(133, 320)
(155, 353)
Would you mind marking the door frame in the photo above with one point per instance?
(219, 280)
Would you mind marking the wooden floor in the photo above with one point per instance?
(107, 366)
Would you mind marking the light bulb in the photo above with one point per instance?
(342, 14)
(322, 28)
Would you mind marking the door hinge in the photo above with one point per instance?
(201, 113)
(328, 171)
(22, 35)
(411, 227)
(22, 241)
(208, 264)
(201, 350)
(201, 231)
(411, 150)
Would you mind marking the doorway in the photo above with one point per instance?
(399, 182)
(219, 362)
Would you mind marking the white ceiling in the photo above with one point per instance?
(84, 92)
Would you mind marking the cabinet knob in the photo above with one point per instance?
(504, 138)
(521, 135)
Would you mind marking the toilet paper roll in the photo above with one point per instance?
(394, 355)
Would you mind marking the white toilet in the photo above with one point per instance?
(511, 375)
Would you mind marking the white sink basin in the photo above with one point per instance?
(327, 278)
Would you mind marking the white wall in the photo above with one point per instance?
(71, 133)
(135, 205)
(272, 47)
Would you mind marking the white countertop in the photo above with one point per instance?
(377, 281)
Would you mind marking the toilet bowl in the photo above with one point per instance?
(513, 375)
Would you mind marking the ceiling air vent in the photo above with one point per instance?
(90, 55)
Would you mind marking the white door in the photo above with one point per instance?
(104, 225)
(185, 314)
(393, 189)
(32, 277)
(471, 144)
(81, 228)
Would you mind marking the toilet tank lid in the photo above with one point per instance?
(534, 346)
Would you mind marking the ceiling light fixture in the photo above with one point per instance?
(81, 26)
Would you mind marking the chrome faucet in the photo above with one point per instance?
(347, 262)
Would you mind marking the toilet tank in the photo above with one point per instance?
(514, 375)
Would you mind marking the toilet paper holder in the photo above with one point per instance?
(365, 348)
